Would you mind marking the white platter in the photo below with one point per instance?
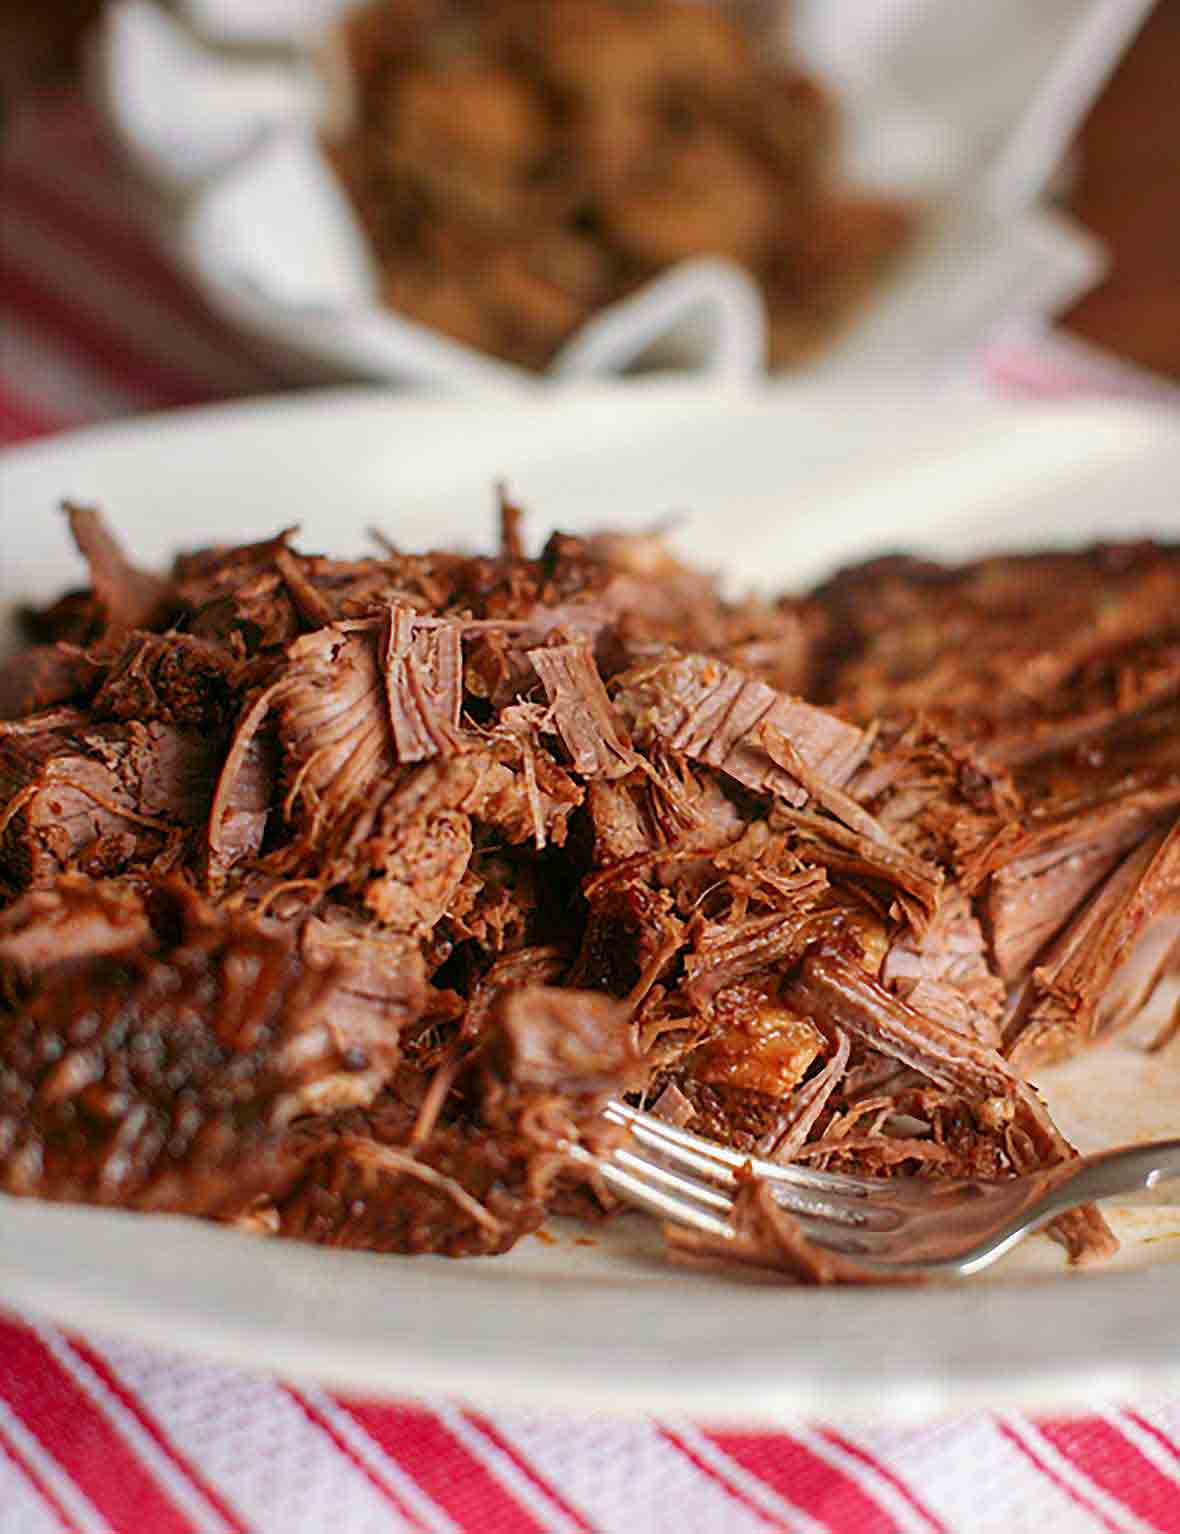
(775, 487)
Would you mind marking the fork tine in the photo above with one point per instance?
(672, 1197)
(696, 1192)
(720, 1164)
(648, 1195)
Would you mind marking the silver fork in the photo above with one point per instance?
(900, 1225)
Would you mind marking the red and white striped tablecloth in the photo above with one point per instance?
(108, 1437)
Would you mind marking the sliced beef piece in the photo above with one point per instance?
(423, 663)
(934, 797)
(723, 952)
(538, 965)
(333, 727)
(237, 596)
(714, 714)
(1083, 808)
(835, 990)
(946, 1004)
(1107, 962)
(259, 597)
(98, 797)
(837, 993)
(656, 601)
(358, 588)
(1107, 692)
(850, 854)
(43, 675)
(360, 698)
(496, 669)
(309, 602)
(547, 1062)
(495, 908)
(381, 975)
(75, 619)
(129, 598)
(1049, 870)
(1136, 759)
(665, 809)
(176, 678)
(71, 921)
(165, 1078)
(620, 824)
(581, 713)
(945, 972)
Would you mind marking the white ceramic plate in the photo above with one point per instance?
(776, 488)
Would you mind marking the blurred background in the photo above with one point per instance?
(201, 200)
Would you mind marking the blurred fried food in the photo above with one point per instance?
(518, 164)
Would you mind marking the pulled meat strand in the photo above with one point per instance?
(767, 1235)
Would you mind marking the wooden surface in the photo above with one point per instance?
(1128, 192)
(1128, 187)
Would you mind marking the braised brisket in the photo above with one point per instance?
(338, 897)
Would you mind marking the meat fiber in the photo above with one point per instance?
(423, 664)
(714, 714)
(333, 727)
(581, 713)
(243, 800)
(1107, 962)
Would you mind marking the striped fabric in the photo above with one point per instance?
(106, 1437)
(94, 322)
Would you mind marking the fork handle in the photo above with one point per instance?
(1152, 1169)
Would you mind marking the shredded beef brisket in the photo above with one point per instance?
(338, 897)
